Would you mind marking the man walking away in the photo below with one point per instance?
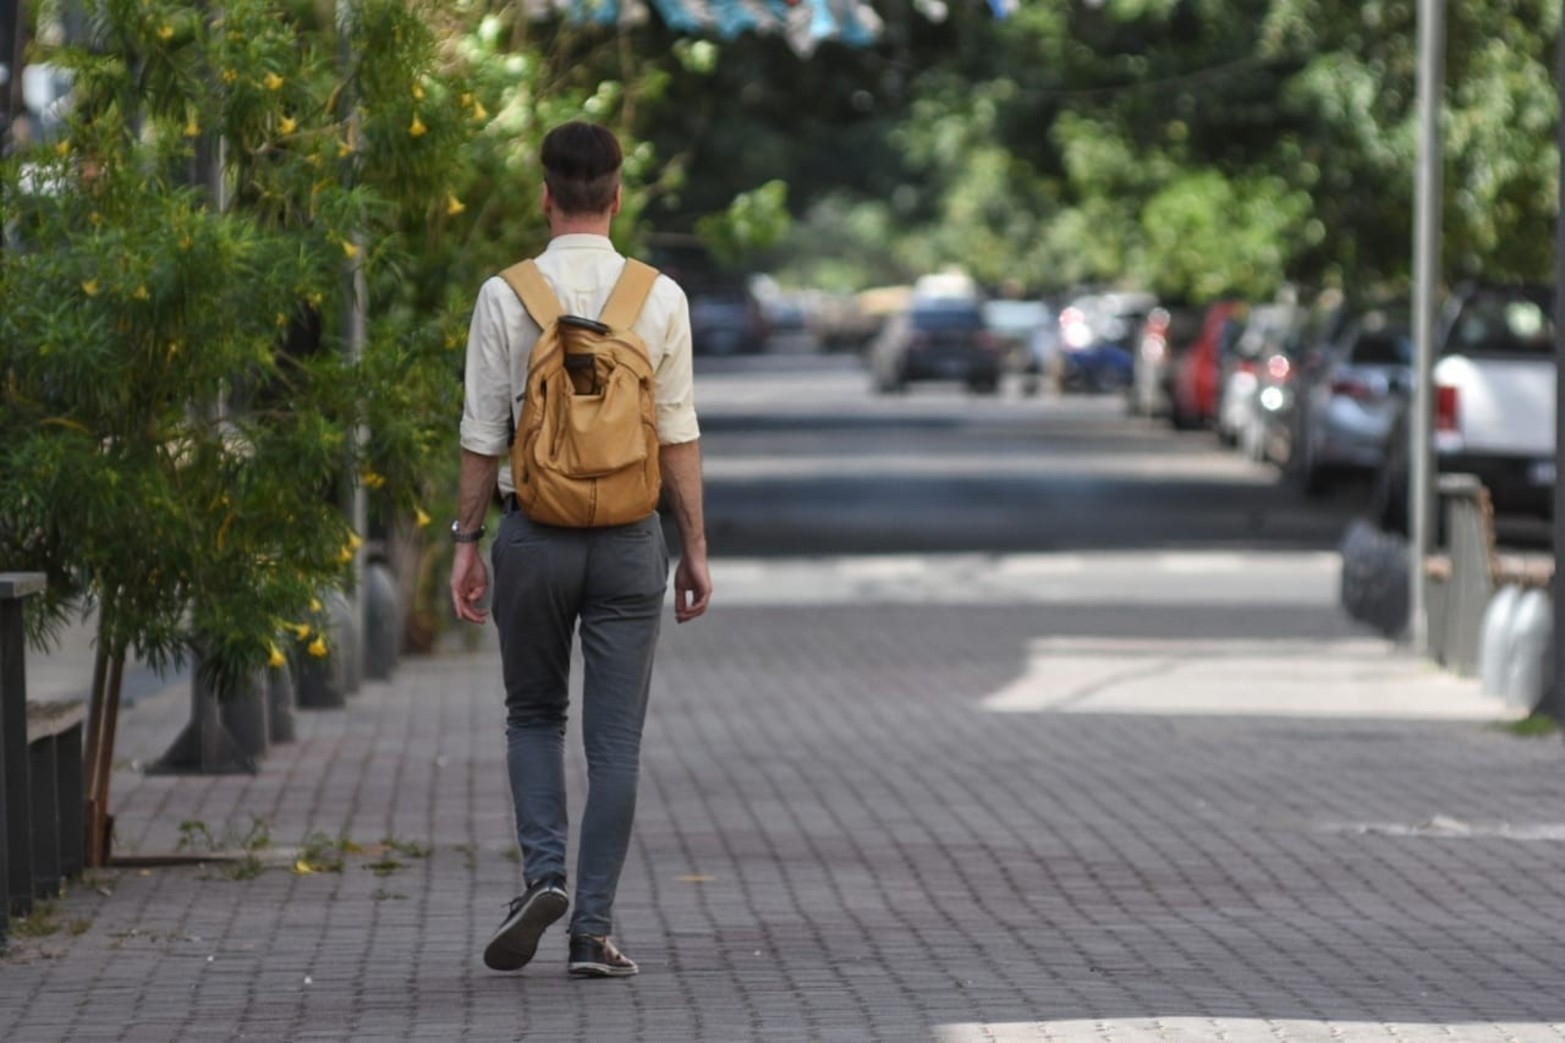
(555, 573)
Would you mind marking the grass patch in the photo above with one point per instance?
(385, 866)
(321, 853)
(42, 922)
(197, 837)
(1533, 726)
(407, 848)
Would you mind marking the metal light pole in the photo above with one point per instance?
(1557, 696)
(1426, 278)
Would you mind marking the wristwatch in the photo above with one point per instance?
(458, 536)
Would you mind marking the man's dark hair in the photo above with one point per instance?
(581, 164)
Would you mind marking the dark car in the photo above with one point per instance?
(938, 340)
(725, 319)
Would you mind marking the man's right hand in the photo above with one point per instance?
(469, 583)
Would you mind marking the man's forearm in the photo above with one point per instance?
(681, 465)
(475, 488)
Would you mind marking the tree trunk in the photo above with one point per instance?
(103, 711)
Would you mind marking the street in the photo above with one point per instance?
(1014, 719)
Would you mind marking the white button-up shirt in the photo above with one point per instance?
(583, 270)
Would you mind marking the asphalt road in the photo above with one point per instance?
(803, 458)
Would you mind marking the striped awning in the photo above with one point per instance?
(804, 23)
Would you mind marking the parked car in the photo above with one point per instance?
(725, 319)
(1098, 334)
(1266, 331)
(1165, 336)
(1018, 325)
(1349, 396)
(1198, 374)
(939, 339)
(1493, 403)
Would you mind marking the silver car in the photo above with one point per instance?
(1351, 397)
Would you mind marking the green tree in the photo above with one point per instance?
(164, 456)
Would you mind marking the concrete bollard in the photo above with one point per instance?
(1494, 640)
(280, 701)
(382, 621)
(205, 746)
(346, 639)
(1532, 632)
(247, 716)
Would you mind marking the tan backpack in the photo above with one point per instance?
(586, 450)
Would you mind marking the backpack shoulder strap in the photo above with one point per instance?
(528, 283)
(630, 293)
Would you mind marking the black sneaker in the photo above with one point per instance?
(597, 957)
(517, 939)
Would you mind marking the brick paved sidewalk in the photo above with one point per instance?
(838, 842)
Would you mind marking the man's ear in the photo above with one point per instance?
(548, 200)
(619, 193)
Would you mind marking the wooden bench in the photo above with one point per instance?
(1465, 576)
(42, 833)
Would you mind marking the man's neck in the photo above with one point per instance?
(579, 224)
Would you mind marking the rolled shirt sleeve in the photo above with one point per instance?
(486, 399)
(676, 397)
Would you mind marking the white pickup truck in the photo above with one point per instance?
(1494, 390)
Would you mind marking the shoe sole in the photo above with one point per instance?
(600, 970)
(515, 943)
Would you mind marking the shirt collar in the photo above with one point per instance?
(580, 241)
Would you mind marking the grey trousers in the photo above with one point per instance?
(610, 581)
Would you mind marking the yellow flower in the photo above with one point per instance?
(166, 32)
(345, 555)
(316, 299)
(300, 630)
(316, 606)
(288, 125)
(418, 129)
(230, 76)
(344, 150)
(418, 92)
(173, 348)
(192, 128)
(479, 112)
(302, 868)
(63, 148)
(317, 648)
(90, 287)
(351, 249)
(467, 100)
(355, 541)
(282, 320)
(140, 293)
(454, 205)
(95, 217)
(420, 518)
(274, 82)
(373, 480)
(186, 242)
(277, 660)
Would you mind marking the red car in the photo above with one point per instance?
(1198, 382)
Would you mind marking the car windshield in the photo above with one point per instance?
(1503, 322)
(939, 320)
